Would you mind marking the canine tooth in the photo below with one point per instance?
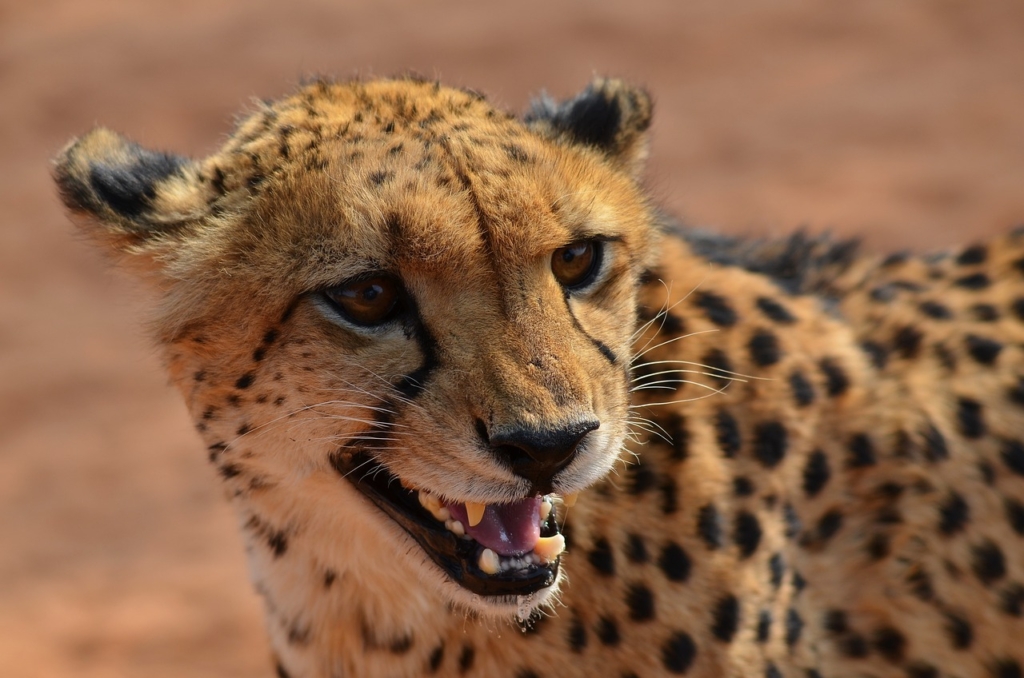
(455, 527)
(489, 562)
(549, 548)
(545, 509)
(475, 512)
(429, 501)
(570, 499)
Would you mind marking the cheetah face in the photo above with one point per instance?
(397, 315)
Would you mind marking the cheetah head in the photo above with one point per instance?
(400, 318)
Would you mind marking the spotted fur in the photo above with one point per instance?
(810, 460)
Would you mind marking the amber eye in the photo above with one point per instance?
(367, 301)
(576, 265)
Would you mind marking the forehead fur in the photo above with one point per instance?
(402, 175)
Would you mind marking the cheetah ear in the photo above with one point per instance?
(135, 201)
(608, 115)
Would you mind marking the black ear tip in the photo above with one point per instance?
(103, 171)
(608, 114)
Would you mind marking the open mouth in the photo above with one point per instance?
(491, 550)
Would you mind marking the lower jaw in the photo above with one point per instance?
(457, 558)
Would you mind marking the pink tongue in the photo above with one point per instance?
(507, 529)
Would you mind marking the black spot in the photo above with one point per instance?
(793, 524)
(988, 473)
(907, 341)
(199, 376)
(988, 563)
(974, 281)
(329, 577)
(669, 495)
(921, 670)
(1013, 456)
(726, 618)
(935, 447)
(389, 127)
(829, 524)
(642, 478)
(245, 381)
(854, 646)
(720, 366)
(799, 583)
(877, 354)
(803, 390)
(640, 601)
(747, 533)
(1018, 307)
(709, 526)
(835, 621)
(772, 671)
(1015, 514)
(878, 546)
(960, 631)
(527, 673)
(775, 311)
(636, 550)
(677, 431)
(945, 357)
(674, 562)
(678, 653)
(1007, 668)
(577, 635)
(602, 558)
(1011, 600)
(727, 432)
(716, 308)
(764, 348)
(742, 486)
(862, 452)
(278, 542)
(776, 570)
(270, 337)
(764, 626)
(243, 429)
(836, 381)
(953, 513)
(435, 659)
(816, 473)
(920, 584)
(466, 658)
(970, 418)
(379, 177)
(890, 643)
(228, 471)
(1016, 392)
(259, 354)
(934, 309)
(982, 349)
(985, 313)
(770, 443)
(608, 631)
(794, 626)
(975, 254)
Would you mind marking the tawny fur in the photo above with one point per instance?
(820, 478)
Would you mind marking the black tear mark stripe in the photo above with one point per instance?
(600, 346)
(415, 382)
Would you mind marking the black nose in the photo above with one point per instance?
(538, 454)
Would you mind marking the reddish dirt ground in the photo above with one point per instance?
(898, 121)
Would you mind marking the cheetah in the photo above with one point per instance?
(483, 410)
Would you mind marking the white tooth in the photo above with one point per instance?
(570, 499)
(489, 562)
(443, 514)
(456, 527)
(475, 512)
(549, 548)
(429, 501)
(545, 509)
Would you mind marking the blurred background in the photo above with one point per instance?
(902, 122)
